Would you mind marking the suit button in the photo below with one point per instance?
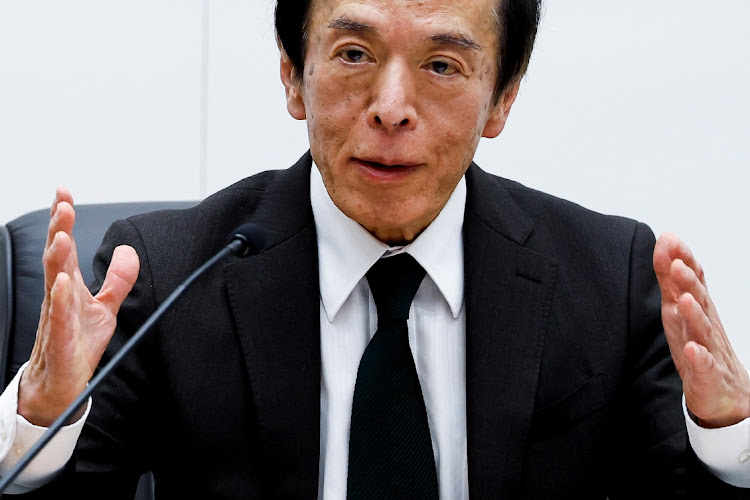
(744, 457)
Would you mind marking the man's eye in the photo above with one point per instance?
(353, 56)
(442, 68)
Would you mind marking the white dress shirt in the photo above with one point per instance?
(348, 319)
(437, 334)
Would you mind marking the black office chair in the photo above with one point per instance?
(22, 279)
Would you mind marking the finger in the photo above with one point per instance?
(686, 281)
(62, 217)
(669, 249)
(700, 359)
(61, 317)
(61, 257)
(61, 194)
(662, 261)
(665, 246)
(121, 277)
(675, 329)
(677, 249)
(62, 221)
(56, 259)
(697, 323)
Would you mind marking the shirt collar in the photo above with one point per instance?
(346, 251)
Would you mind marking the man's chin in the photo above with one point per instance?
(394, 231)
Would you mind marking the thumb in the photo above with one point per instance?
(121, 276)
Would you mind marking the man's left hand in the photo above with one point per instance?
(716, 385)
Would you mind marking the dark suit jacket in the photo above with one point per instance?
(571, 392)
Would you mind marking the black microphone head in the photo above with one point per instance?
(253, 239)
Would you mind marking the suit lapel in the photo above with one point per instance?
(274, 297)
(508, 294)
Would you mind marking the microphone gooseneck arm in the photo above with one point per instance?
(245, 240)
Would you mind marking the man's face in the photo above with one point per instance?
(397, 94)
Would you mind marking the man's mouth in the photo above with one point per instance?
(386, 170)
(386, 164)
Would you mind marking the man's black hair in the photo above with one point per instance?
(516, 20)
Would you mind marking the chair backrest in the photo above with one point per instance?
(22, 277)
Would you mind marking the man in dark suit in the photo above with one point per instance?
(569, 389)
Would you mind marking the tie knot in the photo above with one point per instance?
(394, 281)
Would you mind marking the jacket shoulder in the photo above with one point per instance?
(180, 240)
(552, 210)
(221, 209)
(557, 219)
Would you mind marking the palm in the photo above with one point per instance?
(74, 327)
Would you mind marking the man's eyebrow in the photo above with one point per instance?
(456, 39)
(347, 24)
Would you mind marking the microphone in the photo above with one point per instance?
(248, 239)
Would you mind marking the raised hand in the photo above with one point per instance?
(716, 385)
(74, 326)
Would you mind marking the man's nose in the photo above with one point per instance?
(393, 106)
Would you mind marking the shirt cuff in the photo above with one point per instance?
(724, 451)
(17, 436)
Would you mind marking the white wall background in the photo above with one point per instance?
(637, 108)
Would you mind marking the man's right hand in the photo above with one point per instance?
(74, 326)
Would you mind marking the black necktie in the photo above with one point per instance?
(390, 450)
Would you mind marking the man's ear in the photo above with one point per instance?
(294, 102)
(499, 114)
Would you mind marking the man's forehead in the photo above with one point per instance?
(471, 15)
